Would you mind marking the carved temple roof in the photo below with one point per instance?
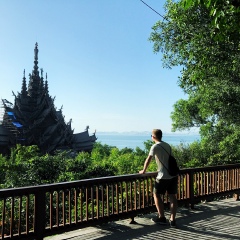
(33, 118)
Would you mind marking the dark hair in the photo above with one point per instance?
(157, 133)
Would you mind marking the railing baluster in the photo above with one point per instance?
(27, 214)
(81, 205)
(12, 216)
(121, 189)
(3, 217)
(207, 183)
(130, 197)
(63, 208)
(143, 193)
(151, 190)
(107, 189)
(135, 195)
(20, 216)
(117, 198)
(139, 194)
(179, 194)
(213, 182)
(51, 210)
(236, 179)
(69, 207)
(57, 209)
(191, 188)
(126, 189)
(92, 201)
(75, 205)
(185, 186)
(97, 201)
(112, 191)
(103, 201)
(199, 184)
(218, 181)
(87, 203)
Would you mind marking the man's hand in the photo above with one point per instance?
(142, 171)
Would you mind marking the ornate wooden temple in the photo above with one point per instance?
(34, 120)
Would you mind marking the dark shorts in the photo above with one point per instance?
(166, 185)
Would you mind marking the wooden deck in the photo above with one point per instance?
(210, 220)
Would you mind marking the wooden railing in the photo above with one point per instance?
(39, 211)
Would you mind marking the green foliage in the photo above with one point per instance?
(26, 166)
(16, 168)
(147, 146)
(210, 74)
(190, 155)
(224, 14)
(103, 170)
(124, 161)
(101, 151)
(3, 167)
(30, 168)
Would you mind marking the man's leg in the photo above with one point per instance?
(159, 204)
(158, 191)
(173, 206)
(172, 191)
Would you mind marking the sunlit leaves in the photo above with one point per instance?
(210, 73)
(225, 16)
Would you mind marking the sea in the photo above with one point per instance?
(133, 140)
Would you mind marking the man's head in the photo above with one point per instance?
(157, 134)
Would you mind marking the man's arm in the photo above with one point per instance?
(147, 161)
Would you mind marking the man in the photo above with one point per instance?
(164, 182)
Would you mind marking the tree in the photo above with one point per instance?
(224, 13)
(210, 74)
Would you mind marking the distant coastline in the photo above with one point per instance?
(137, 139)
(148, 133)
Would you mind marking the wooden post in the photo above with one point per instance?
(39, 215)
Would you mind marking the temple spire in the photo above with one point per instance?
(35, 80)
(24, 85)
(35, 69)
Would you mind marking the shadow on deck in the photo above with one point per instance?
(211, 220)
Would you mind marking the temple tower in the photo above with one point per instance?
(34, 120)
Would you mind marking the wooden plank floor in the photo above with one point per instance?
(211, 220)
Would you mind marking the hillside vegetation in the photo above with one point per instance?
(26, 166)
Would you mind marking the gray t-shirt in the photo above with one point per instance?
(159, 153)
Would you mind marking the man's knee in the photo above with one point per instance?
(158, 196)
(172, 197)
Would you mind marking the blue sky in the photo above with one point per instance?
(99, 61)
